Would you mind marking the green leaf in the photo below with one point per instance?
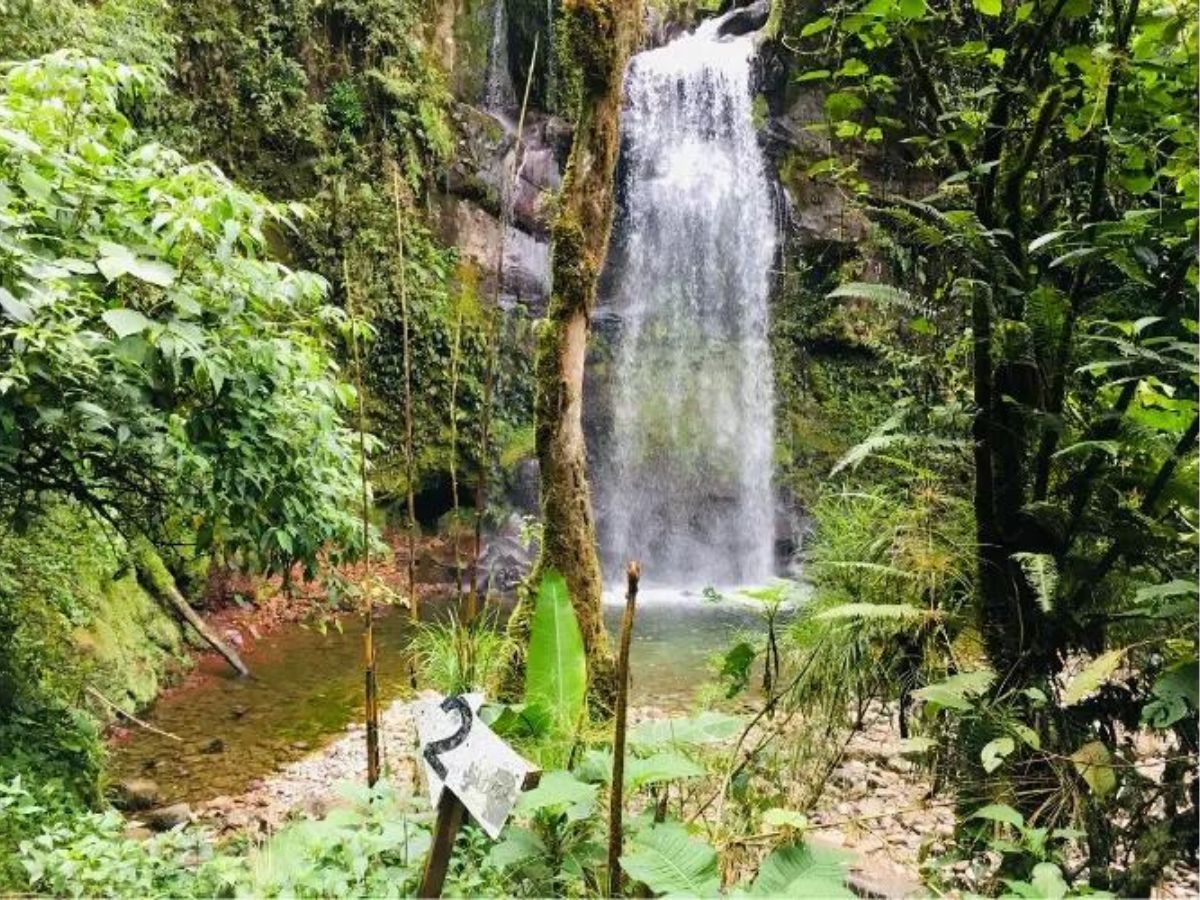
(596, 767)
(735, 668)
(802, 870)
(988, 7)
(883, 294)
(955, 691)
(894, 611)
(669, 861)
(557, 791)
(1046, 240)
(1176, 588)
(152, 271)
(1027, 735)
(1094, 765)
(708, 727)
(125, 322)
(1097, 672)
(995, 751)
(999, 812)
(917, 745)
(1175, 695)
(912, 9)
(556, 669)
(517, 846)
(660, 767)
(14, 308)
(776, 818)
(816, 26)
(1047, 880)
(1041, 572)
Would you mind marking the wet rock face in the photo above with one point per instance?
(475, 186)
(476, 232)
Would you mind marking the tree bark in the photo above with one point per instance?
(154, 577)
(600, 35)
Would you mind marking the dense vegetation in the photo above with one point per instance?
(987, 405)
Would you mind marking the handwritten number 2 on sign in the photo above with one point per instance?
(434, 749)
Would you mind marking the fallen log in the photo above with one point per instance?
(154, 577)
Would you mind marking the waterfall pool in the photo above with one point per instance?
(307, 687)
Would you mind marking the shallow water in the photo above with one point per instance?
(308, 686)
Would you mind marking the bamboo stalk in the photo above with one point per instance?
(371, 685)
(409, 469)
(617, 795)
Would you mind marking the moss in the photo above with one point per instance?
(132, 644)
(79, 619)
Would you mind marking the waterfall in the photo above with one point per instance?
(683, 476)
(499, 95)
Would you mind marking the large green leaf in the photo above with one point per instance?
(1175, 695)
(669, 861)
(802, 870)
(706, 728)
(957, 690)
(1097, 672)
(1093, 762)
(556, 669)
(559, 791)
(596, 768)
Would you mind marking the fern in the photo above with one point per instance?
(891, 611)
(1041, 572)
(883, 294)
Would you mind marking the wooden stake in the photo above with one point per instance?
(449, 820)
(616, 798)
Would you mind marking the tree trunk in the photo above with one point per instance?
(154, 577)
(599, 34)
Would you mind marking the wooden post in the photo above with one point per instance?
(449, 820)
(616, 796)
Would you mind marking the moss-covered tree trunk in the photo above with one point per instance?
(598, 36)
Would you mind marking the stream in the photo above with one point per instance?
(307, 687)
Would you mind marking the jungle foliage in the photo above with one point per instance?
(1033, 580)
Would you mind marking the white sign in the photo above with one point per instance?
(461, 753)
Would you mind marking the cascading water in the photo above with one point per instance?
(684, 466)
(499, 95)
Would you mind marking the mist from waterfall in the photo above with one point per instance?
(683, 474)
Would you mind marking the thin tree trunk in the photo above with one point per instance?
(409, 468)
(370, 681)
(152, 575)
(600, 34)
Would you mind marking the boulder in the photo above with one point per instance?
(164, 818)
(216, 745)
(747, 19)
(136, 794)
